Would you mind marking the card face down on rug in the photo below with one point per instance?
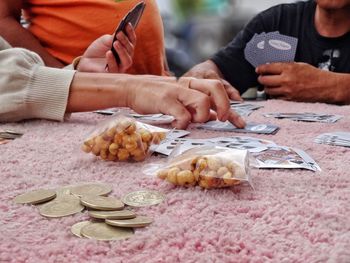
(334, 138)
(250, 127)
(306, 116)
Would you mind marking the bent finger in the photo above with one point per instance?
(112, 64)
(236, 120)
(131, 34)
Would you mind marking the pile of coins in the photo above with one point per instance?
(125, 140)
(8, 135)
(206, 171)
(109, 219)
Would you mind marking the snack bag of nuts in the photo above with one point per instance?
(208, 167)
(123, 139)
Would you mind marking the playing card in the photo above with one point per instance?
(334, 138)
(168, 146)
(307, 117)
(269, 48)
(283, 157)
(133, 17)
(174, 134)
(243, 143)
(153, 119)
(244, 109)
(279, 48)
(254, 49)
(250, 127)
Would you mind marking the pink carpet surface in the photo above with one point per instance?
(291, 216)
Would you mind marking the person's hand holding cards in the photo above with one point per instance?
(294, 81)
(124, 45)
(124, 40)
(98, 54)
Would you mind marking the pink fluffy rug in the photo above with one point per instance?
(292, 216)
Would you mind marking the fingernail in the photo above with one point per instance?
(241, 122)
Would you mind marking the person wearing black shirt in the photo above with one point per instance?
(322, 67)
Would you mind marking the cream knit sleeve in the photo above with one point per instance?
(28, 89)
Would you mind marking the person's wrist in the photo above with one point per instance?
(130, 86)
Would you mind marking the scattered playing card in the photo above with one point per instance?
(269, 48)
(244, 109)
(174, 134)
(154, 119)
(283, 157)
(306, 116)
(168, 146)
(334, 138)
(250, 127)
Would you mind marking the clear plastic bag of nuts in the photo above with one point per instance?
(123, 139)
(208, 166)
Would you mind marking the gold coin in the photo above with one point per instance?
(143, 198)
(62, 206)
(140, 221)
(91, 189)
(76, 228)
(123, 214)
(35, 197)
(62, 191)
(102, 202)
(104, 232)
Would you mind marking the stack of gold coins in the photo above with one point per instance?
(110, 221)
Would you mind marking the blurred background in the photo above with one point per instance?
(196, 29)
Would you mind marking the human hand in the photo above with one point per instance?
(295, 81)
(208, 70)
(187, 105)
(99, 53)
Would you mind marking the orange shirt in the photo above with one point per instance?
(67, 27)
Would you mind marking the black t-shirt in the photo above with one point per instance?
(296, 20)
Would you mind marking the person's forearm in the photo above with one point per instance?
(342, 88)
(18, 36)
(93, 91)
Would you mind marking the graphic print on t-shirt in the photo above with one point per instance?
(329, 59)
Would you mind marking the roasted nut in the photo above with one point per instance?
(185, 178)
(131, 146)
(111, 132)
(111, 157)
(228, 179)
(104, 154)
(96, 150)
(172, 175)
(213, 163)
(158, 137)
(163, 174)
(123, 155)
(202, 164)
(146, 136)
(90, 142)
(118, 138)
(222, 170)
(86, 148)
(113, 148)
(131, 129)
